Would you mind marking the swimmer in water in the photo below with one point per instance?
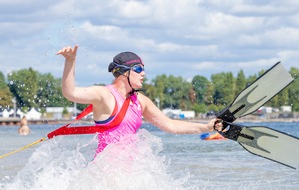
(128, 70)
(24, 129)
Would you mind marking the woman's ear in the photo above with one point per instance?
(126, 74)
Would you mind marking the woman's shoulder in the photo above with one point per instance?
(141, 96)
(106, 91)
(143, 99)
(98, 93)
(101, 89)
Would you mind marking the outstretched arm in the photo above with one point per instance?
(152, 114)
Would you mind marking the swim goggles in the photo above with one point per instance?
(138, 68)
(135, 68)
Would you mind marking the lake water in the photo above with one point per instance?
(151, 159)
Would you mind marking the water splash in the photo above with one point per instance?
(133, 163)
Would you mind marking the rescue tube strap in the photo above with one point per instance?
(66, 130)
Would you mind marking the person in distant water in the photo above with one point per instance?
(128, 70)
(24, 129)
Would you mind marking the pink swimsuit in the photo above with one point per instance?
(129, 125)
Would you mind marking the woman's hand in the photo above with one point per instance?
(218, 125)
(215, 124)
(68, 53)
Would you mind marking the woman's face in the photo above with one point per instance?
(137, 74)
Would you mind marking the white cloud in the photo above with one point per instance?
(195, 36)
(283, 37)
(104, 32)
(206, 65)
(134, 9)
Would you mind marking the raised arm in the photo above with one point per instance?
(84, 95)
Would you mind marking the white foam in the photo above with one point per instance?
(133, 163)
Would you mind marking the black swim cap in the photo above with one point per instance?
(127, 59)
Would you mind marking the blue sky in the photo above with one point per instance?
(178, 37)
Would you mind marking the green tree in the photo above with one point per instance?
(251, 79)
(200, 84)
(6, 98)
(151, 92)
(3, 84)
(283, 98)
(224, 88)
(23, 85)
(293, 90)
(240, 82)
(209, 94)
(5, 94)
(200, 108)
(173, 92)
(188, 96)
(192, 94)
(160, 86)
(49, 92)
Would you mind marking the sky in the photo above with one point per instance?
(174, 37)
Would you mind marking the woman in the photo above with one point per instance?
(128, 70)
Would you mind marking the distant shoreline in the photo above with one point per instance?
(250, 119)
(16, 121)
(286, 120)
(253, 119)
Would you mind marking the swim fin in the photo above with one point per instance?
(261, 141)
(265, 142)
(257, 93)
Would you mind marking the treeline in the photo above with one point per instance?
(202, 94)
(33, 89)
